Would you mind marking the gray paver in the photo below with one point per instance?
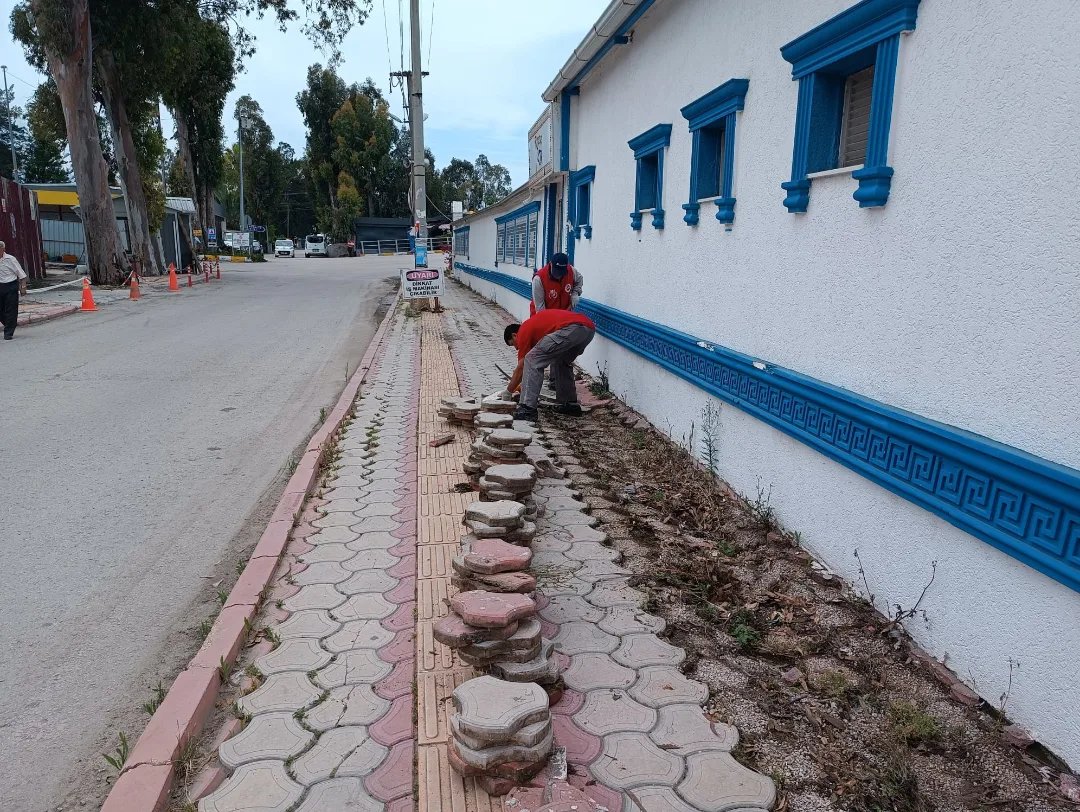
(377, 559)
(606, 712)
(284, 693)
(660, 685)
(631, 760)
(267, 736)
(347, 705)
(638, 650)
(335, 520)
(358, 634)
(368, 581)
(492, 709)
(327, 552)
(298, 654)
(366, 542)
(601, 570)
(631, 620)
(374, 524)
(340, 795)
(615, 593)
(341, 752)
(361, 666)
(567, 608)
(656, 799)
(333, 535)
(324, 572)
(590, 671)
(309, 623)
(716, 782)
(684, 729)
(263, 786)
(578, 637)
(592, 550)
(315, 596)
(365, 606)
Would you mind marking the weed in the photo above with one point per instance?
(741, 628)
(154, 702)
(118, 757)
(725, 547)
(205, 627)
(248, 627)
(322, 414)
(186, 759)
(762, 510)
(600, 386)
(912, 725)
(271, 636)
(1003, 700)
(225, 669)
(657, 496)
(298, 715)
(239, 714)
(708, 611)
(896, 788)
(222, 596)
(638, 439)
(253, 672)
(834, 684)
(710, 436)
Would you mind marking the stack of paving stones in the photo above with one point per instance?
(492, 565)
(511, 482)
(462, 411)
(493, 403)
(501, 732)
(502, 519)
(498, 447)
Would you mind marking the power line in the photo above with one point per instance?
(386, 31)
(431, 32)
(401, 32)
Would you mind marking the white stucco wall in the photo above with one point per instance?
(959, 300)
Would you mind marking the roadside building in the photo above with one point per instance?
(846, 224)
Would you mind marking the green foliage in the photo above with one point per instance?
(18, 133)
(912, 725)
(48, 138)
(742, 629)
(119, 756)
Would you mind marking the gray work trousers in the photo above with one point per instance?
(557, 350)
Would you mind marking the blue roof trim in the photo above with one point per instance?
(651, 140)
(1025, 506)
(462, 229)
(582, 176)
(861, 26)
(618, 38)
(730, 97)
(528, 208)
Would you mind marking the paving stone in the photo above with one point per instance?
(601, 571)
(286, 692)
(565, 518)
(492, 609)
(480, 656)
(314, 596)
(684, 729)
(543, 669)
(551, 542)
(396, 725)
(492, 710)
(503, 513)
(613, 711)
(263, 786)
(528, 736)
(347, 705)
(327, 552)
(607, 594)
(489, 556)
(376, 524)
(589, 671)
(583, 532)
(511, 772)
(509, 438)
(522, 535)
(593, 551)
(376, 508)
(658, 799)
(267, 736)
(366, 606)
(521, 582)
(298, 654)
(335, 520)
(623, 620)
(631, 760)
(323, 572)
(368, 581)
(360, 666)
(638, 650)
(369, 560)
(392, 781)
(454, 632)
(580, 747)
(493, 420)
(578, 637)
(660, 685)
(373, 541)
(340, 795)
(492, 756)
(334, 535)
(559, 584)
(516, 476)
(339, 753)
(716, 782)
(315, 623)
(402, 647)
(545, 559)
(358, 634)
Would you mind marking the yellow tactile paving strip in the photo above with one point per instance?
(439, 513)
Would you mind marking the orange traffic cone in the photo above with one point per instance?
(134, 294)
(173, 285)
(206, 270)
(87, 297)
(190, 278)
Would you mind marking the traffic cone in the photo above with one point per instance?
(206, 270)
(190, 278)
(134, 294)
(88, 305)
(217, 267)
(172, 277)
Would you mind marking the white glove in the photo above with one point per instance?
(504, 395)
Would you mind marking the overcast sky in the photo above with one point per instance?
(489, 61)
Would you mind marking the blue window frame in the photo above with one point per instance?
(712, 160)
(516, 236)
(581, 183)
(828, 62)
(649, 189)
(461, 241)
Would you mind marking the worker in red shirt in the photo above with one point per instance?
(551, 338)
(556, 286)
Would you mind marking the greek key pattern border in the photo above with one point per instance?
(1025, 506)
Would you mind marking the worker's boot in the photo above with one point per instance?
(526, 413)
(569, 409)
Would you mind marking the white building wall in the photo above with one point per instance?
(959, 300)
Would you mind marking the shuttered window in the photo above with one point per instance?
(856, 121)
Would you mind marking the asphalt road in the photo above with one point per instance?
(141, 450)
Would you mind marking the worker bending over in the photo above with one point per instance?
(551, 338)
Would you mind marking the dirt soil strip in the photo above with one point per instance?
(144, 783)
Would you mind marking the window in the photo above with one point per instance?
(649, 190)
(581, 202)
(846, 70)
(461, 242)
(516, 235)
(712, 162)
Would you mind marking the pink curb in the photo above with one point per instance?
(46, 315)
(185, 709)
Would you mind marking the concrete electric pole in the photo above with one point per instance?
(416, 123)
(11, 127)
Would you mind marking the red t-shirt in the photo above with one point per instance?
(544, 323)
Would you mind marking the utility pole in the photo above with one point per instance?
(243, 222)
(11, 126)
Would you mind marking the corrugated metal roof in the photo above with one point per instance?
(184, 205)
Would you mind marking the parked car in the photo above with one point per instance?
(315, 245)
(284, 248)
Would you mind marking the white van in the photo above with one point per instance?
(315, 245)
(284, 248)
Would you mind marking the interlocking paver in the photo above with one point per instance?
(365, 606)
(631, 760)
(639, 650)
(308, 623)
(685, 730)
(660, 685)
(335, 535)
(623, 620)
(367, 581)
(658, 799)
(341, 752)
(327, 552)
(612, 711)
(491, 709)
(340, 795)
(577, 637)
(345, 706)
(286, 692)
(323, 572)
(373, 541)
(613, 593)
(378, 559)
(358, 634)
(298, 654)
(356, 667)
(314, 596)
(263, 786)
(591, 670)
(716, 782)
(267, 736)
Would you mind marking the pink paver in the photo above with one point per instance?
(489, 556)
(398, 683)
(402, 648)
(502, 582)
(404, 592)
(403, 618)
(454, 632)
(397, 725)
(492, 609)
(393, 778)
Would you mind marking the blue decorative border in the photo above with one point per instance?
(1025, 506)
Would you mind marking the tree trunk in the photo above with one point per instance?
(126, 159)
(183, 144)
(70, 67)
(159, 253)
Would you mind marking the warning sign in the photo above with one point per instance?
(421, 283)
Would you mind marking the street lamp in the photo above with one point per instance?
(241, 122)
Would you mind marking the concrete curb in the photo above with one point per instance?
(144, 783)
(48, 315)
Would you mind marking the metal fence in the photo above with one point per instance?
(403, 246)
(67, 238)
(19, 228)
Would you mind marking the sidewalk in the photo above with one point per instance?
(344, 704)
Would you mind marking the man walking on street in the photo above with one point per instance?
(12, 285)
(556, 286)
(551, 338)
